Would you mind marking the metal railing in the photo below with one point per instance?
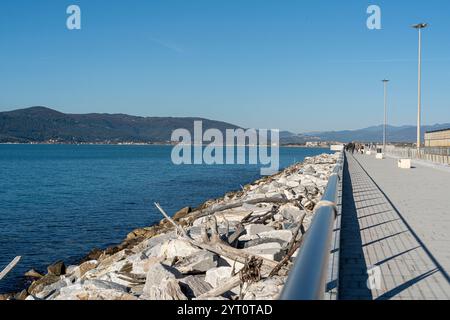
(437, 155)
(308, 277)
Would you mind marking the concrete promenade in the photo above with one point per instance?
(397, 221)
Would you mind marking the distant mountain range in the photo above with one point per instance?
(401, 134)
(375, 134)
(41, 124)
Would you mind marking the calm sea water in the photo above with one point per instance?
(61, 201)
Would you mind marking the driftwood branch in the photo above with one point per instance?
(247, 217)
(300, 228)
(215, 237)
(227, 225)
(204, 234)
(249, 274)
(223, 249)
(235, 204)
(177, 227)
(226, 286)
(286, 258)
(262, 219)
(9, 267)
(232, 239)
(293, 246)
(216, 245)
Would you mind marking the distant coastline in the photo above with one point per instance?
(91, 143)
(152, 144)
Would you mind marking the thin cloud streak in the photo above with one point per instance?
(167, 44)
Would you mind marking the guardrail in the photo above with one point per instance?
(308, 277)
(433, 154)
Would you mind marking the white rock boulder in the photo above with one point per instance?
(217, 276)
(177, 248)
(255, 229)
(284, 235)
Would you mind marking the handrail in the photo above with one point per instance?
(307, 279)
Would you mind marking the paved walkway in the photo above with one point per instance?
(396, 223)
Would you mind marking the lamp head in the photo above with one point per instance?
(420, 26)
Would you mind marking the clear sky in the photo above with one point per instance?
(296, 65)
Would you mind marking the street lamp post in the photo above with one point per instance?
(385, 82)
(419, 27)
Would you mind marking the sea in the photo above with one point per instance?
(58, 202)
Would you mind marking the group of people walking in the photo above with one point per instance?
(352, 147)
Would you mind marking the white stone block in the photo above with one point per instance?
(337, 147)
(404, 163)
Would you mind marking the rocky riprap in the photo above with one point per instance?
(238, 247)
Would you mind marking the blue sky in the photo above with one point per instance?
(297, 65)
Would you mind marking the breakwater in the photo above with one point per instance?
(240, 246)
